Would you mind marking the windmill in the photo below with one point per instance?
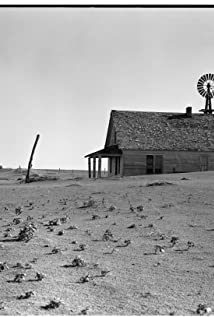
(205, 88)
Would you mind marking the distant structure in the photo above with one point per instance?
(205, 88)
(139, 143)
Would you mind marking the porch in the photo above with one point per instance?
(112, 153)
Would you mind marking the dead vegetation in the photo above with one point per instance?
(152, 242)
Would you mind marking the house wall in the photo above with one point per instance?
(134, 161)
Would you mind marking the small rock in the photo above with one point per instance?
(26, 295)
(61, 233)
(52, 305)
(85, 279)
(84, 311)
(112, 207)
(140, 208)
(202, 309)
(18, 210)
(19, 277)
(78, 261)
(39, 276)
(131, 226)
(107, 235)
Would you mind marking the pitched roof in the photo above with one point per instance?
(162, 131)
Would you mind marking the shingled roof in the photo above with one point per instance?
(162, 131)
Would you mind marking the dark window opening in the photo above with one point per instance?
(154, 164)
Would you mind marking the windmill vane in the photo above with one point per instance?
(205, 88)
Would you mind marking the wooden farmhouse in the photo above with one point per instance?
(139, 143)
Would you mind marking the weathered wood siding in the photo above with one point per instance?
(134, 161)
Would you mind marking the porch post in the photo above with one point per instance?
(94, 167)
(99, 167)
(89, 167)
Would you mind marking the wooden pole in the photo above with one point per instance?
(94, 167)
(27, 179)
(99, 167)
(89, 167)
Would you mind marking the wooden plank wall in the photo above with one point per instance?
(134, 161)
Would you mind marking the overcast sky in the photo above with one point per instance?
(62, 70)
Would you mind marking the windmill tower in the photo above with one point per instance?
(205, 88)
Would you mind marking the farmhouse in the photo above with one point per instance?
(140, 143)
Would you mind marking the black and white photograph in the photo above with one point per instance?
(107, 160)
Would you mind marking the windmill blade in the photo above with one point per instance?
(210, 76)
(201, 82)
(199, 86)
(202, 93)
(201, 90)
(207, 77)
(203, 78)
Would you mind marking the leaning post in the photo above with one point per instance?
(27, 179)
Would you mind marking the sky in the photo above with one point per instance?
(62, 71)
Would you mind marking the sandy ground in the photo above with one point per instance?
(157, 259)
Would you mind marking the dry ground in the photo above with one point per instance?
(125, 277)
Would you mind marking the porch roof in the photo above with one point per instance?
(106, 152)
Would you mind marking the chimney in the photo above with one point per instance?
(189, 112)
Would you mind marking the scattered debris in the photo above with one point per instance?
(126, 243)
(84, 311)
(18, 210)
(61, 233)
(52, 305)
(39, 276)
(26, 295)
(64, 219)
(94, 217)
(55, 250)
(3, 266)
(131, 208)
(112, 208)
(140, 208)
(26, 233)
(84, 279)
(20, 277)
(74, 242)
(189, 245)
(174, 240)
(21, 266)
(167, 205)
(159, 249)
(78, 261)
(185, 179)
(158, 183)
(91, 203)
(107, 235)
(55, 222)
(82, 247)
(202, 309)
(16, 221)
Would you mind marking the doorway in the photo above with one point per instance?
(154, 164)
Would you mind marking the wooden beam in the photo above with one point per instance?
(27, 179)
(99, 166)
(89, 167)
(94, 167)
